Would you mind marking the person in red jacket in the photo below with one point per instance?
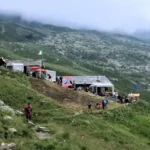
(28, 111)
(49, 76)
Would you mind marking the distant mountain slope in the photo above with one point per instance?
(17, 33)
(142, 34)
(74, 52)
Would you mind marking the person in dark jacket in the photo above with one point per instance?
(61, 78)
(103, 104)
(2, 62)
(57, 80)
(89, 106)
(74, 85)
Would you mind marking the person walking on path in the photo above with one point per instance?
(103, 104)
(61, 79)
(28, 112)
(89, 106)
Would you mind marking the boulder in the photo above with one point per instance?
(42, 129)
(3, 146)
(42, 132)
(19, 113)
(43, 135)
(31, 123)
(10, 146)
(2, 103)
(12, 130)
(8, 118)
(7, 109)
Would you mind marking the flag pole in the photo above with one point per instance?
(41, 65)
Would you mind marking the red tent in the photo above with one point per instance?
(66, 85)
(68, 77)
(40, 69)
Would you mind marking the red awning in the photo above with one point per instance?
(34, 68)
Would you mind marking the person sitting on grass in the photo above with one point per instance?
(97, 105)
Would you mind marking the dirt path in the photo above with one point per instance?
(72, 99)
(62, 95)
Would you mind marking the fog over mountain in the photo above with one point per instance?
(124, 15)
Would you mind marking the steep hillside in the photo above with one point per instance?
(124, 59)
(124, 128)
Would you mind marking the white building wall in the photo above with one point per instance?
(18, 67)
(53, 75)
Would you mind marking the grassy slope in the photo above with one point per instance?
(124, 128)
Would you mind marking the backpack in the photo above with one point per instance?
(89, 104)
(105, 102)
(29, 110)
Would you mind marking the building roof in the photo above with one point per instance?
(89, 79)
(50, 70)
(26, 63)
(20, 64)
(102, 85)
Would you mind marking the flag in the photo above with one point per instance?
(137, 86)
(40, 52)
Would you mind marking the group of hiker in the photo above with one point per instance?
(59, 80)
(101, 105)
(28, 108)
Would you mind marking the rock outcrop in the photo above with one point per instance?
(7, 109)
(8, 118)
(12, 130)
(8, 146)
(2, 103)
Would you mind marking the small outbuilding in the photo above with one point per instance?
(97, 87)
(19, 67)
(96, 84)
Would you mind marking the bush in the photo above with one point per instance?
(44, 145)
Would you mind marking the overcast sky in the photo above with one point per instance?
(128, 15)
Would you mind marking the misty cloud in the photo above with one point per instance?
(128, 15)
